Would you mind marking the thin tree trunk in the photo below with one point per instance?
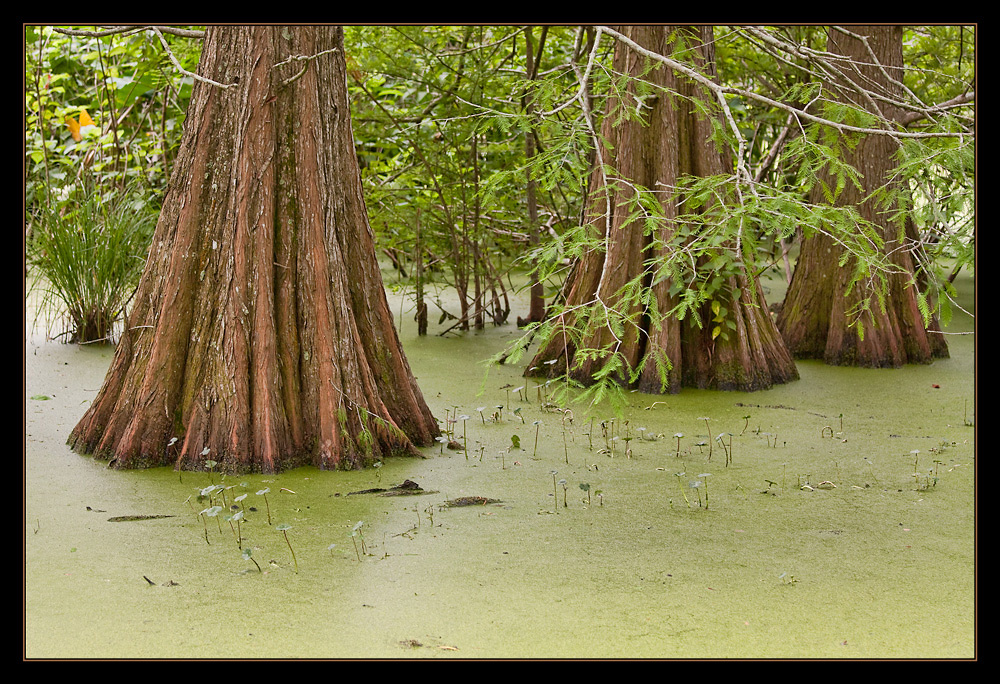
(418, 257)
(536, 310)
(260, 335)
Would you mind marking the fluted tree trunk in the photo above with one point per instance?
(260, 336)
(823, 316)
(671, 142)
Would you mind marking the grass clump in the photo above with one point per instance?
(87, 257)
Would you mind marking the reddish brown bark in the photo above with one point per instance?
(672, 142)
(818, 312)
(260, 336)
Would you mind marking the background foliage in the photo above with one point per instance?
(443, 116)
(91, 199)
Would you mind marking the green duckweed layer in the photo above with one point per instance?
(844, 527)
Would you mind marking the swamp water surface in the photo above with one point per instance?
(826, 536)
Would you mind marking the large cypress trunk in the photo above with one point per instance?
(672, 142)
(260, 336)
(822, 317)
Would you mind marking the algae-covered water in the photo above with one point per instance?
(844, 526)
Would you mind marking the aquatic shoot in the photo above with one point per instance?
(283, 528)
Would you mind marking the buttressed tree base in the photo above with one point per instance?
(260, 337)
(655, 153)
(822, 306)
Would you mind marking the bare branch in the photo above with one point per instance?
(828, 67)
(305, 60)
(963, 99)
(720, 90)
(177, 65)
(158, 31)
(112, 30)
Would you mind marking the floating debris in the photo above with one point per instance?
(471, 501)
(407, 488)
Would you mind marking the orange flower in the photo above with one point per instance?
(76, 128)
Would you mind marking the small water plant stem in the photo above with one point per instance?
(237, 532)
(202, 515)
(465, 436)
(283, 528)
(696, 486)
(708, 427)
(354, 536)
(681, 485)
(246, 553)
(565, 445)
(537, 424)
(213, 512)
(704, 477)
(507, 389)
(264, 492)
(238, 517)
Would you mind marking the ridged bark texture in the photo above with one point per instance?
(816, 317)
(672, 142)
(260, 336)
